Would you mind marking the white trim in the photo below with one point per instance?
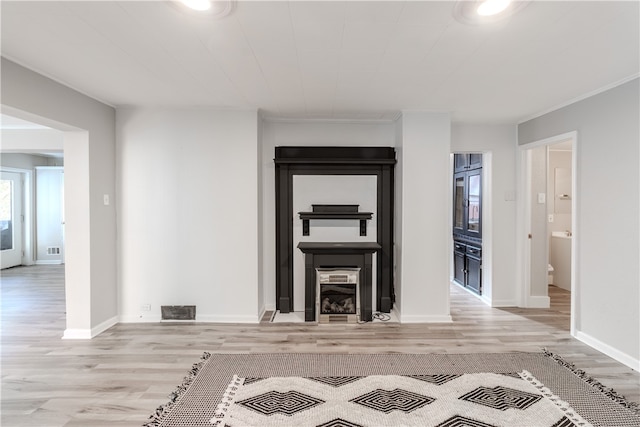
(77, 334)
(87, 334)
(232, 318)
(299, 120)
(207, 318)
(614, 353)
(504, 303)
(580, 98)
(28, 201)
(535, 301)
(523, 213)
(132, 318)
(48, 262)
(261, 312)
(100, 328)
(427, 318)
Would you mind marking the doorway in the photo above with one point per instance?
(11, 219)
(547, 225)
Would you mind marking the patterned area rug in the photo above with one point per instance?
(443, 390)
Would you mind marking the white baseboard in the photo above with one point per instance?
(614, 353)
(98, 329)
(503, 303)
(217, 318)
(132, 318)
(425, 318)
(48, 262)
(77, 334)
(87, 334)
(538, 302)
(200, 318)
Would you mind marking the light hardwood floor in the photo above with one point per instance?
(121, 376)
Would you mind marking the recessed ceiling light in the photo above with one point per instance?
(200, 5)
(483, 12)
(492, 7)
(210, 8)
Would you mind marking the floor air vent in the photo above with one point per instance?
(53, 250)
(178, 312)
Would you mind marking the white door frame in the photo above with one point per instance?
(27, 212)
(524, 221)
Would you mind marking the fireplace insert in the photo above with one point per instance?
(338, 298)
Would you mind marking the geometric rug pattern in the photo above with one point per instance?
(466, 400)
(458, 396)
(501, 398)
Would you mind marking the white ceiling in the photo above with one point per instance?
(329, 59)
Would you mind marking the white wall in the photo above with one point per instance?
(305, 133)
(188, 213)
(498, 144)
(31, 140)
(49, 214)
(89, 146)
(607, 230)
(426, 206)
(560, 209)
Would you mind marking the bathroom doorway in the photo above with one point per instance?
(548, 221)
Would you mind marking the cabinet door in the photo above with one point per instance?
(475, 161)
(474, 274)
(459, 267)
(474, 203)
(459, 202)
(460, 162)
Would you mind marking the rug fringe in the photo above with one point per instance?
(162, 410)
(221, 414)
(634, 407)
(569, 413)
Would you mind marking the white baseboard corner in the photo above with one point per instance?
(612, 352)
(538, 302)
(98, 329)
(87, 334)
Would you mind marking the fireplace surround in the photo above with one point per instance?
(356, 255)
(344, 160)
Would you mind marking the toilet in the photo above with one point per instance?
(550, 274)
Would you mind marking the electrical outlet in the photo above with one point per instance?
(542, 198)
(550, 217)
(145, 307)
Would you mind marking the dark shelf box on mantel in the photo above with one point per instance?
(335, 212)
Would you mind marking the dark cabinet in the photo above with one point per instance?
(466, 162)
(467, 265)
(467, 221)
(467, 203)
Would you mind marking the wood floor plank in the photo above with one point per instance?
(121, 376)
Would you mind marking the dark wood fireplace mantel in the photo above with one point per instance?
(338, 254)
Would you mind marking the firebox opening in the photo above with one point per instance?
(338, 295)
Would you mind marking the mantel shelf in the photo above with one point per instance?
(335, 212)
(335, 215)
